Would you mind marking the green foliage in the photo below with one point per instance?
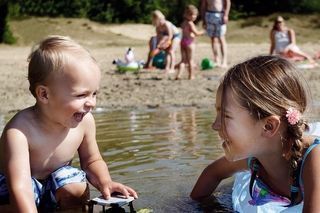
(66, 8)
(111, 11)
(119, 11)
(260, 7)
(8, 37)
(5, 33)
(310, 6)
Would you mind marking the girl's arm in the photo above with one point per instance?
(311, 183)
(272, 42)
(95, 167)
(194, 29)
(15, 152)
(213, 175)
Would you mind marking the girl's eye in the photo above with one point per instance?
(227, 116)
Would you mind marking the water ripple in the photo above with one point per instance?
(160, 153)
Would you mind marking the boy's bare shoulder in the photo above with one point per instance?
(17, 128)
(21, 120)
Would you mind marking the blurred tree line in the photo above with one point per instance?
(119, 11)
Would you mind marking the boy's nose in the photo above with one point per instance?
(90, 102)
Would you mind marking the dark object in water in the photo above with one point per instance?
(115, 208)
(114, 205)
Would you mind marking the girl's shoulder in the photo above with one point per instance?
(311, 146)
(310, 160)
(191, 23)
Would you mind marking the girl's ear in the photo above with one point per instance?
(42, 94)
(271, 125)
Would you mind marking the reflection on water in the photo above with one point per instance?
(160, 153)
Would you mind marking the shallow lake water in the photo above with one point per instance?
(160, 153)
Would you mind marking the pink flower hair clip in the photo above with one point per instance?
(293, 116)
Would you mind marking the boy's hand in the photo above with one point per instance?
(111, 187)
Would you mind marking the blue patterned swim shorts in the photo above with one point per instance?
(44, 190)
(215, 25)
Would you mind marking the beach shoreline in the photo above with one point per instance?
(145, 89)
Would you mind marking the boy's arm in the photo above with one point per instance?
(203, 9)
(311, 183)
(226, 9)
(213, 174)
(95, 167)
(15, 152)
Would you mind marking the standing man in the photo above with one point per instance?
(215, 16)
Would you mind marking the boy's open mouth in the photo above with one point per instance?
(78, 116)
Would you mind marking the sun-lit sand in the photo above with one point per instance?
(145, 89)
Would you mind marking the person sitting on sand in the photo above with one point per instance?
(187, 44)
(283, 42)
(39, 142)
(167, 38)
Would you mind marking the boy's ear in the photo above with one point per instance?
(271, 125)
(42, 93)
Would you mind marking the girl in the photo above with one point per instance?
(283, 42)
(187, 45)
(167, 39)
(260, 105)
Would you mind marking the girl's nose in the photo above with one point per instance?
(216, 125)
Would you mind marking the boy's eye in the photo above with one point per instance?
(81, 96)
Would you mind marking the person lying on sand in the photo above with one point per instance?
(39, 142)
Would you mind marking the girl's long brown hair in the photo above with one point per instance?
(270, 85)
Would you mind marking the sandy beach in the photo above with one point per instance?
(144, 89)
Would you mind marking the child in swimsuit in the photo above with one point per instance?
(39, 142)
(187, 45)
(167, 39)
(260, 107)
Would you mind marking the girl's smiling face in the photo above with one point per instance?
(240, 131)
